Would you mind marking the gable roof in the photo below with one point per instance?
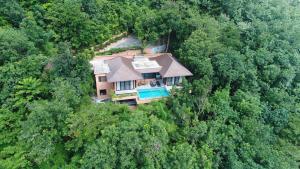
(171, 67)
(121, 70)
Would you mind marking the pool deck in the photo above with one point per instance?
(137, 98)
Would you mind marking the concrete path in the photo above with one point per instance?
(126, 42)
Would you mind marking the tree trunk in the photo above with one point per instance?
(167, 47)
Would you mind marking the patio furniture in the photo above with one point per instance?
(141, 83)
(152, 83)
(158, 84)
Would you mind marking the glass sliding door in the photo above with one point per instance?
(124, 85)
(176, 80)
(169, 81)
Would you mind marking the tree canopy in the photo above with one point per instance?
(240, 109)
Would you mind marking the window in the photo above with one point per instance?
(125, 85)
(149, 75)
(176, 80)
(102, 78)
(103, 92)
(169, 81)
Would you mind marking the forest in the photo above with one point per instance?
(240, 110)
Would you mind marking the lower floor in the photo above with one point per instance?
(145, 89)
(143, 95)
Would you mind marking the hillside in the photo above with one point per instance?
(240, 109)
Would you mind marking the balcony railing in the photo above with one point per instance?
(124, 96)
(125, 91)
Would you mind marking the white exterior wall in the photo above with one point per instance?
(180, 79)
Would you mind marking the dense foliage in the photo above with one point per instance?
(241, 109)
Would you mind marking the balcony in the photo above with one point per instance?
(124, 95)
(119, 92)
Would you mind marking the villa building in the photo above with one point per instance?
(139, 78)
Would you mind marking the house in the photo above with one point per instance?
(140, 78)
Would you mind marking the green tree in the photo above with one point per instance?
(183, 156)
(12, 73)
(201, 45)
(77, 28)
(127, 139)
(43, 129)
(36, 33)
(75, 69)
(27, 90)
(14, 45)
(229, 68)
(12, 11)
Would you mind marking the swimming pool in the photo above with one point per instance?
(152, 93)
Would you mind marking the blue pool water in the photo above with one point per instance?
(152, 93)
